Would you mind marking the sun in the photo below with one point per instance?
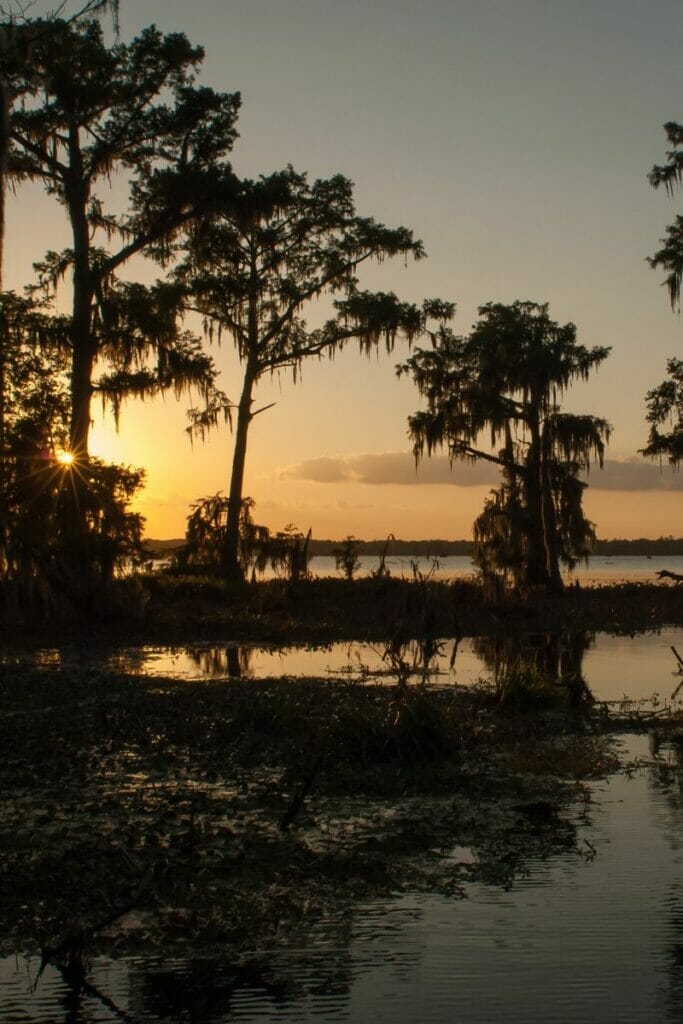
(65, 458)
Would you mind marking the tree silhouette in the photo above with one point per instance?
(87, 113)
(33, 419)
(665, 406)
(504, 381)
(37, 483)
(670, 256)
(346, 557)
(286, 552)
(205, 536)
(17, 34)
(665, 402)
(281, 243)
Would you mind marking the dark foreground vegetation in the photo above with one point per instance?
(167, 608)
(144, 815)
(215, 819)
(375, 609)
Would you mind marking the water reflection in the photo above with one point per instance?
(554, 657)
(203, 990)
(666, 792)
(572, 942)
(231, 660)
(615, 668)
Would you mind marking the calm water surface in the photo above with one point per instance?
(575, 941)
(615, 667)
(600, 569)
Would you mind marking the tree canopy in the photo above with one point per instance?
(82, 112)
(665, 408)
(280, 243)
(502, 383)
(670, 256)
(665, 402)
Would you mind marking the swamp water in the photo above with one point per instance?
(596, 939)
(599, 570)
(577, 938)
(617, 668)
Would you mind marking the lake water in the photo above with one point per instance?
(577, 940)
(615, 667)
(600, 568)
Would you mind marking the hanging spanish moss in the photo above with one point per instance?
(503, 384)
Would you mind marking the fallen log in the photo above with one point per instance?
(665, 574)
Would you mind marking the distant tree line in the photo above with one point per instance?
(443, 548)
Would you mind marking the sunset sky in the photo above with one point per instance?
(514, 138)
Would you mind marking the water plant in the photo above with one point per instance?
(346, 557)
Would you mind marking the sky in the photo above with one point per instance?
(514, 138)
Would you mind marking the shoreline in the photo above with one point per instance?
(169, 609)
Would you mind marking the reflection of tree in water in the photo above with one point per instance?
(318, 965)
(554, 656)
(416, 660)
(305, 970)
(79, 999)
(229, 660)
(128, 660)
(202, 989)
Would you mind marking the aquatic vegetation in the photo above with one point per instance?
(143, 814)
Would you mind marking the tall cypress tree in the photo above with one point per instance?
(504, 381)
(92, 114)
(281, 243)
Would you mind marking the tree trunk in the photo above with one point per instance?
(82, 363)
(82, 343)
(77, 568)
(551, 541)
(5, 102)
(233, 570)
(537, 563)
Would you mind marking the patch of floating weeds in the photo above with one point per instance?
(141, 814)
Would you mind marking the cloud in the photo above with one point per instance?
(635, 475)
(391, 468)
(399, 468)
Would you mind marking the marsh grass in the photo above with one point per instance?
(369, 608)
(170, 608)
(143, 814)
